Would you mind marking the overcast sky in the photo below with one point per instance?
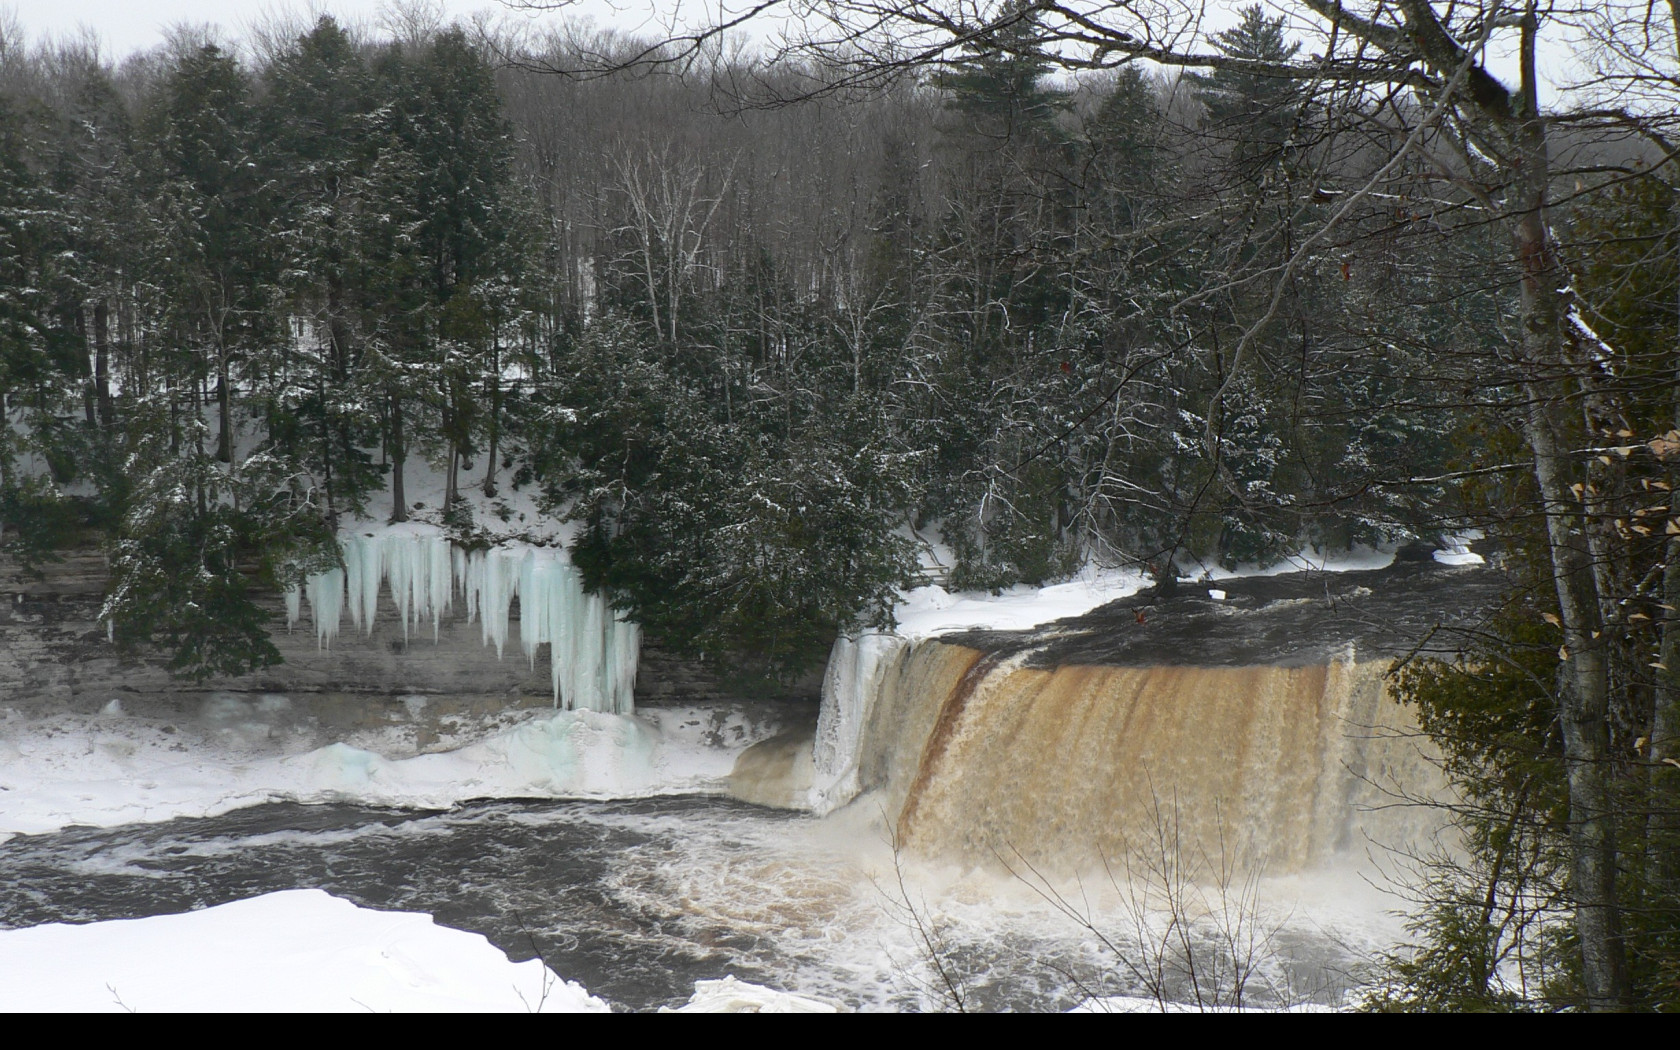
(127, 26)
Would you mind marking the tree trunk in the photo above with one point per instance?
(495, 421)
(1664, 778)
(1583, 686)
(326, 460)
(451, 477)
(399, 454)
(224, 409)
(102, 362)
(90, 396)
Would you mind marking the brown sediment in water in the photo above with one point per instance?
(1077, 765)
(945, 724)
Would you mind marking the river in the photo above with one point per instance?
(639, 899)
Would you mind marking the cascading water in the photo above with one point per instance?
(592, 650)
(853, 678)
(977, 756)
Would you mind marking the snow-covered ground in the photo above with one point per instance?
(928, 611)
(298, 950)
(64, 769)
(306, 951)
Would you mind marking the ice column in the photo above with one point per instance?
(592, 652)
(857, 667)
(326, 604)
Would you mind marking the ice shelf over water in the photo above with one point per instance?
(592, 650)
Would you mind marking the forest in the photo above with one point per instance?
(1049, 291)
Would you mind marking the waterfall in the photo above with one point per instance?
(592, 651)
(853, 678)
(976, 756)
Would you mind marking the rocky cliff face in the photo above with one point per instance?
(54, 650)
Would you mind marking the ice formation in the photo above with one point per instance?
(734, 996)
(592, 650)
(856, 667)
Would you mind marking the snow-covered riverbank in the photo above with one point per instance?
(299, 950)
(63, 769)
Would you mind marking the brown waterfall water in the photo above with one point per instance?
(983, 759)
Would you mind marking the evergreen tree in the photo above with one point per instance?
(997, 84)
(217, 273)
(321, 139)
(446, 115)
(195, 545)
(37, 360)
(1255, 115)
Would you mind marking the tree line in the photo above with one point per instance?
(757, 351)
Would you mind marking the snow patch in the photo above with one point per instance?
(297, 950)
(734, 996)
(929, 611)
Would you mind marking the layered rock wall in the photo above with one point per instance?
(54, 649)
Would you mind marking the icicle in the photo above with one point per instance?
(533, 588)
(471, 569)
(497, 586)
(592, 630)
(373, 570)
(562, 636)
(294, 606)
(442, 596)
(592, 651)
(352, 548)
(626, 649)
(398, 568)
(458, 577)
(326, 605)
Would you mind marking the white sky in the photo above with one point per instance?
(127, 26)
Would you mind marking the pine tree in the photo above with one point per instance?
(446, 116)
(40, 360)
(1256, 116)
(217, 274)
(998, 83)
(320, 148)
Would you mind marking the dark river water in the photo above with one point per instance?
(639, 899)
